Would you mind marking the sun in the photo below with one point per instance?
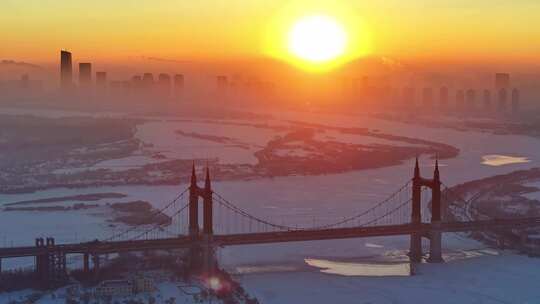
(317, 39)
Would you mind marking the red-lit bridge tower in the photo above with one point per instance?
(202, 252)
(434, 235)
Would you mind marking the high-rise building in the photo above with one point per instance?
(427, 97)
(502, 100)
(443, 97)
(101, 79)
(487, 100)
(460, 99)
(148, 80)
(178, 82)
(502, 81)
(164, 82)
(66, 70)
(85, 74)
(471, 99)
(222, 81)
(25, 81)
(515, 101)
(409, 97)
(136, 81)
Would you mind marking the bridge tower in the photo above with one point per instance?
(207, 206)
(50, 263)
(194, 193)
(202, 252)
(435, 252)
(209, 259)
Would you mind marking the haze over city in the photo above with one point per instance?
(165, 152)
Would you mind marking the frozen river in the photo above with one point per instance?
(302, 272)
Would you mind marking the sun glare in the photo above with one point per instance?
(317, 39)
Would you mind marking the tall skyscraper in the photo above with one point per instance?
(515, 101)
(427, 97)
(502, 100)
(222, 82)
(85, 75)
(502, 81)
(136, 80)
(101, 79)
(178, 83)
(25, 81)
(460, 99)
(487, 100)
(443, 98)
(148, 80)
(471, 99)
(66, 70)
(164, 82)
(409, 97)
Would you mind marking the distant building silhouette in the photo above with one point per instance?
(443, 97)
(502, 81)
(136, 82)
(25, 81)
(364, 85)
(427, 98)
(101, 79)
(178, 83)
(460, 100)
(471, 99)
(85, 74)
(502, 100)
(409, 98)
(395, 97)
(119, 88)
(487, 100)
(515, 101)
(66, 70)
(222, 82)
(164, 82)
(147, 80)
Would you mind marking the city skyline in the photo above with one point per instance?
(115, 32)
(269, 151)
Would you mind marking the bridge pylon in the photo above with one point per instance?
(194, 192)
(202, 252)
(435, 235)
(50, 263)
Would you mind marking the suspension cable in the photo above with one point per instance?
(237, 210)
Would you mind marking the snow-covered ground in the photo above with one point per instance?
(279, 273)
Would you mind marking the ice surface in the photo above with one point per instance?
(278, 273)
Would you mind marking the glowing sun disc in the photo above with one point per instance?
(317, 39)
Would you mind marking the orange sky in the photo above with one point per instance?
(414, 30)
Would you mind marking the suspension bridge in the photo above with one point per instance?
(421, 208)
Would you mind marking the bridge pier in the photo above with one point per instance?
(50, 263)
(86, 263)
(95, 261)
(415, 250)
(435, 244)
(209, 262)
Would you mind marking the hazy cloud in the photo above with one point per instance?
(6, 62)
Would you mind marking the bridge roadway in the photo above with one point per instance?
(97, 247)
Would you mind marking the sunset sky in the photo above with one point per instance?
(414, 30)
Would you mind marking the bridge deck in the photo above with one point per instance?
(270, 237)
